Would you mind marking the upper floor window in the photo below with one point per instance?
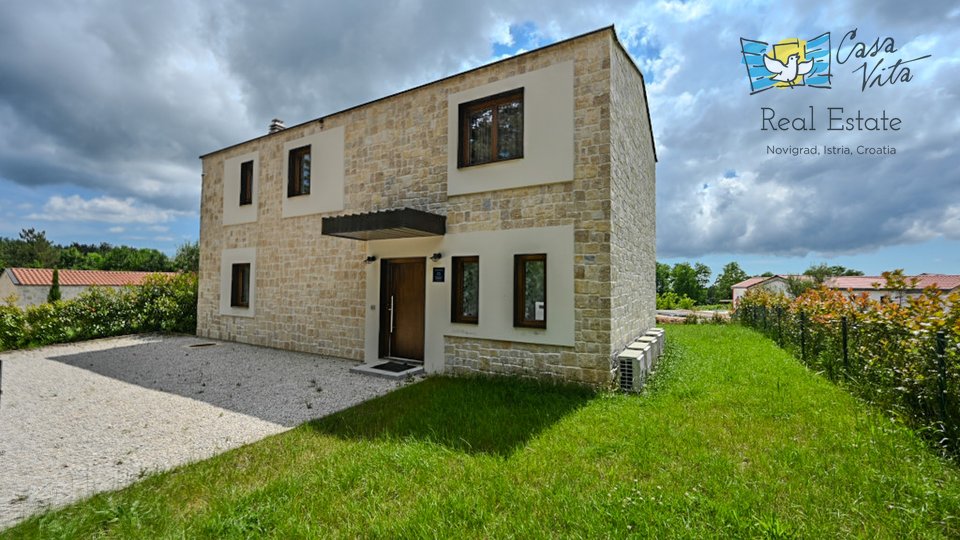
(491, 129)
(246, 183)
(240, 285)
(465, 303)
(298, 172)
(530, 290)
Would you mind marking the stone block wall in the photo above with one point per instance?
(585, 203)
(633, 200)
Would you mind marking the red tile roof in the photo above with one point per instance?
(944, 282)
(83, 278)
(750, 282)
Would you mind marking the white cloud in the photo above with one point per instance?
(103, 209)
(181, 80)
(117, 230)
(684, 11)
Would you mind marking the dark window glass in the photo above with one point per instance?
(465, 307)
(491, 129)
(298, 172)
(240, 285)
(246, 183)
(530, 290)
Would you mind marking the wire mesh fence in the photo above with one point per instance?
(912, 369)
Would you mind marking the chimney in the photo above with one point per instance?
(276, 125)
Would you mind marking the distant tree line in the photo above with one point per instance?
(33, 250)
(693, 281)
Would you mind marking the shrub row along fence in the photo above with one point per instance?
(901, 357)
(161, 303)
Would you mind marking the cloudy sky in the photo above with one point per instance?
(105, 106)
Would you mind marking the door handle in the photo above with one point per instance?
(391, 313)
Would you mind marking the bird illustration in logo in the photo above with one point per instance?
(788, 63)
(788, 72)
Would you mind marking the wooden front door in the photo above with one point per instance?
(402, 291)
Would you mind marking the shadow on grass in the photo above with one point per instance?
(494, 415)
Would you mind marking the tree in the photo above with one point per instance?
(32, 249)
(820, 272)
(684, 282)
(897, 281)
(54, 293)
(797, 285)
(187, 258)
(703, 274)
(133, 259)
(663, 278)
(729, 276)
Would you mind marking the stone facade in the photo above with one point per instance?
(311, 288)
(633, 200)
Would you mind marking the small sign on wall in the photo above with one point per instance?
(438, 274)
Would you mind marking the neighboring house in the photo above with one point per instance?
(498, 220)
(947, 284)
(873, 286)
(30, 286)
(776, 284)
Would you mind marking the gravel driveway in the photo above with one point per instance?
(81, 418)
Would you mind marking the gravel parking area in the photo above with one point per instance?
(82, 418)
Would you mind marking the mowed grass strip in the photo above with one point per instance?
(734, 438)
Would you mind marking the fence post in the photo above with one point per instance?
(803, 337)
(942, 374)
(780, 326)
(843, 329)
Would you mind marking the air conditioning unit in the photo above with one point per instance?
(633, 369)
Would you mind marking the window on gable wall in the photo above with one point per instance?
(298, 172)
(465, 301)
(240, 285)
(491, 129)
(246, 183)
(530, 290)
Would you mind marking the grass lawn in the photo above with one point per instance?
(734, 439)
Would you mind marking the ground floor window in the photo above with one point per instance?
(530, 290)
(240, 285)
(465, 302)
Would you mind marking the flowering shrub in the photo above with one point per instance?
(904, 357)
(161, 303)
(12, 326)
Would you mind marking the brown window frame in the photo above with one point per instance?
(295, 171)
(520, 291)
(246, 183)
(456, 298)
(490, 102)
(240, 285)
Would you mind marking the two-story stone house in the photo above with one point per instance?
(498, 220)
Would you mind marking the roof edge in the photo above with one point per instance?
(443, 79)
(643, 87)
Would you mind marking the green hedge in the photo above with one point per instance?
(162, 303)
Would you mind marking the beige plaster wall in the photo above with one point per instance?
(233, 213)
(547, 133)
